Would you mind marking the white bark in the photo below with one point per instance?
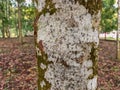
(68, 37)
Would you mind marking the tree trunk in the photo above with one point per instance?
(8, 26)
(3, 31)
(19, 24)
(105, 35)
(7, 32)
(16, 23)
(67, 43)
(118, 32)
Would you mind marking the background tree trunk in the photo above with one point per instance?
(67, 42)
(118, 32)
(19, 23)
(3, 31)
(7, 18)
(3, 21)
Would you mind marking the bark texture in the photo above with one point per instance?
(66, 43)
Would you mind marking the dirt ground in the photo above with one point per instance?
(18, 69)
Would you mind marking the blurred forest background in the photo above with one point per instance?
(16, 16)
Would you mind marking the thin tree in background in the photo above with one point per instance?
(16, 21)
(7, 14)
(118, 32)
(19, 20)
(3, 19)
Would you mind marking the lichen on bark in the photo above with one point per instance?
(66, 57)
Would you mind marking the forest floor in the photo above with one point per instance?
(109, 67)
(18, 67)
